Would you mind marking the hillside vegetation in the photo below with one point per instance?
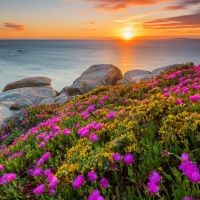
(132, 142)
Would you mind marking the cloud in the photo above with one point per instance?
(183, 4)
(88, 23)
(10, 26)
(184, 21)
(112, 5)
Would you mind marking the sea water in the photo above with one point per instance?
(64, 60)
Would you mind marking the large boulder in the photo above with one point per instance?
(28, 82)
(93, 77)
(24, 97)
(136, 72)
(164, 69)
(105, 74)
(5, 112)
(145, 77)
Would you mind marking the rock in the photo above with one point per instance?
(93, 77)
(164, 69)
(124, 82)
(139, 78)
(105, 74)
(65, 99)
(5, 112)
(28, 82)
(60, 97)
(23, 97)
(48, 101)
(136, 72)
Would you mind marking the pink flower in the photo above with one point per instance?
(134, 89)
(166, 95)
(40, 161)
(179, 101)
(194, 98)
(94, 137)
(41, 144)
(47, 172)
(94, 195)
(66, 131)
(104, 182)
(52, 191)
(53, 183)
(116, 157)
(99, 126)
(188, 198)
(92, 176)
(155, 178)
(129, 158)
(165, 89)
(78, 181)
(84, 133)
(39, 189)
(1, 167)
(10, 177)
(37, 172)
(46, 156)
(185, 157)
(152, 188)
(193, 176)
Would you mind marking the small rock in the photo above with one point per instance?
(136, 72)
(164, 69)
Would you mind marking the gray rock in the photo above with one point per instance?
(93, 77)
(106, 74)
(65, 99)
(28, 82)
(124, 82)
(48, 101)
(28, 96)
(60, 96)
(5, 112)
(136, 72)
(164, 69)
(145, 77)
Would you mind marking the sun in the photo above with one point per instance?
(128, 35)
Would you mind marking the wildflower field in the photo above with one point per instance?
(132, 142)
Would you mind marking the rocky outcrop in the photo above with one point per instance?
(145, 77)
(63, 99)
(93, 77)
(5, 112)
(136, 72)
(164, 69)
(28, 82)
(28, 96)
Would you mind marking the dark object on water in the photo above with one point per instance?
(19, 50)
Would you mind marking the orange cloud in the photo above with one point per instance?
(112, 5)
(183, 4)
(10, 26)
(184, 21)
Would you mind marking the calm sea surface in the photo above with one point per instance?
(64, 60)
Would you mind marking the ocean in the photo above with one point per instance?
(64, 60)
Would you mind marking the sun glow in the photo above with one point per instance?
(128, 35)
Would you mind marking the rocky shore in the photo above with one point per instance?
(37, 90)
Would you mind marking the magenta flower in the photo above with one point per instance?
(66, 132)
(185, 157)
(52, 191)
(116, 157)
(193, 176)
(166, 95)
(39, 189)
(50, 177)
(134, 89)
(129, 158)
(94, 137)
(47, 172)
(100, 198)
(78, 181)
(194, 98)
(152, 188)
(179, 101)
(188, 198)
(94, 195)
(104, 183)
(155, 178)
(99, 126)
(1, 167)
(42, 144)
(92, 176)
(40, 161)
(37, 172)
(46, 156)
(165, 89)
(11, 176)
(84, 133)
(53, 183)
(188, 166)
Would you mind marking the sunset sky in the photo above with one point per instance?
(98, 18)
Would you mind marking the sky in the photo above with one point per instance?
(98, 18)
